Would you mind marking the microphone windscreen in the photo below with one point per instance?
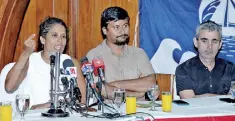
(52, 56)
(84, 60)
(97, 63)
(68, 63)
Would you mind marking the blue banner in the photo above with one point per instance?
(167, 28)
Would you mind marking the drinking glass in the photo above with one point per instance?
(153, 93)
(232, 85)
(5, 111)
(130, 104)
(118, 96)
(232, 89)
(166, 101)
(22, 105)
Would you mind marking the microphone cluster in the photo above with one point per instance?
(68, 87)
(67, 94)
(68, 73)
(69, 82)
(55, 107)
(88, 69)
(97, 68)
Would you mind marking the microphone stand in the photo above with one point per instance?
(87, 93)
(100, 100)
(55, 110)
(100, 103)
(99, 86)
(98, 92)
(52, 65)
(88, 87)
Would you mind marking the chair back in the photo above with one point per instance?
(166, 82)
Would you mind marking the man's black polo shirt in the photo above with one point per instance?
(192, 74)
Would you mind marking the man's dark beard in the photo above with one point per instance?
(123, 42)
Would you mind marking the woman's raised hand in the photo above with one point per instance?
(29, 44)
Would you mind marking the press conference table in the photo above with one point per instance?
(206, 109)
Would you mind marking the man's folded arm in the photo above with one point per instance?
(136, 85)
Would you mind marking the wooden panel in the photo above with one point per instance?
(164, 83)
(3, 4)
(44, 8)
(61, 10)
(73, 30)
(99, 6)
(9, 29)
(28, 27)
(85, 32)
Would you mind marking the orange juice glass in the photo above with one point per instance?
(5, 111)
(166, 101)
(130, 104)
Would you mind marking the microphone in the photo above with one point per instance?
(71, 71)
(86, 66)
(52, 58)
(99, 68)
(52, 65)
(99, 71)
(65, 82)
(67, 63)
(66, 76)
(87, 70)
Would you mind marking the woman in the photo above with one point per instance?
(31, 73)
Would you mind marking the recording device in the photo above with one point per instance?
(55, 108)
(99, 71)
(227, 100)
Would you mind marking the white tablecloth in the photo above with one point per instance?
(198, 107)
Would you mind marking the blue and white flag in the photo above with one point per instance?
(167, 28)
